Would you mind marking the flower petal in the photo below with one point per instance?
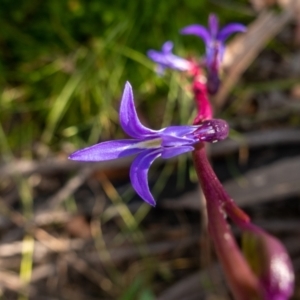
(178, 131)
(213, 25)
(156, 56)
(174, 136)
(169, 60)
(176, 141)
(167, 47)
(229, 29)
(128, 116)
(171, 152)
(107, 150)
(139, 174)
(198, 30)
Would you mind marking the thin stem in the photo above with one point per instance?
(241, 279)
(203, 104)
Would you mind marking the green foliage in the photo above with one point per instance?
(137, 291)
(63, 65)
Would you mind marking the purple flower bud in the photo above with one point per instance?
(270, 262)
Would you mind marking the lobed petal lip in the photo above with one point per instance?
(139, 174)
(129, 120)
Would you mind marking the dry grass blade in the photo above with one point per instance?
(193, 286)
(70, 187)
(256, 139)
(125, 253)
(42, 248)
(12, 281)
(245, 48)
(26, 167)
(275, 181)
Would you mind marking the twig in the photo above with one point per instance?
(275, 181)
(70, 187)
(55, 165)
(257, 139)
(191, 285)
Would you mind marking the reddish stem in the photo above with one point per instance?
(243, 282)
(204, 107)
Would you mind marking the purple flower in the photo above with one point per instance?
(166, 59)
(214, 40)
(150, 144)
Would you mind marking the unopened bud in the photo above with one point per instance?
(212, 131)
(270, 261)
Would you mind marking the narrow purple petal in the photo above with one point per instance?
(167, 47)
(171, 152)
(198, 30)
(139, 174)
(178, 130)
(128, 116)
(213, 25)
(176, 141)
(169, 60)
(177, 63)
(107, 150)
(174, 136)
(156, 56)
(229, 29)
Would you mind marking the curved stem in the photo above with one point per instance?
(244, 284)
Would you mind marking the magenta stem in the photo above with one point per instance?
(203, 104)
(242, 281)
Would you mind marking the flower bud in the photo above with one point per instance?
(269, 260)
(213, 130)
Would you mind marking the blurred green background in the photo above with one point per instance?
(63, 65)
